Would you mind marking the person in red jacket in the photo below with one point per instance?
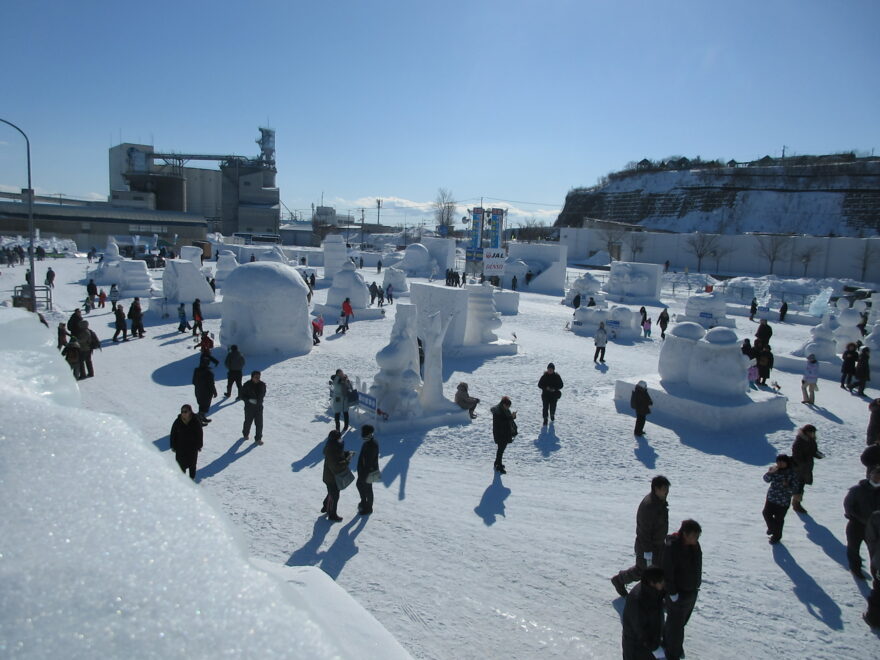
(347, 313)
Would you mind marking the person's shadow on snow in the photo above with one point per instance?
(547, 441)
(224, 460)
(814, 598)
(163, 443)
(827, 414)
(601, 367)
(825, 539)
(645, 453)
(335, 558)
(492, 503)
(315, 456)
(401, 449)
(308, 554)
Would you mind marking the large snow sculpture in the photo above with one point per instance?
(192, 253)
(821, 342)
(396, 386)
(587, 286)
(847, 318)
(675, 354)
(431, 331)
(482, 317)
(707, 309)
(417, 261)
(348, 283)
(634, 281)
(442, 252)
(621, 323)
(226, 263)
(183, 282)
(452, 302)
(129, 275)
(265, 310)
(335, 254)
(717, 364)
(396, 278)
(547, 262)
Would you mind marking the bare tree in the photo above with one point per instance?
(530, 230)
(772, 247)
(867, 257)
(701, 245)
(444, 210)
(720, 252)
(635, 241)
(612, 238)
(806, 254)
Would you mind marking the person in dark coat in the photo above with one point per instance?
(591, 302)
(643, 618)
(872, 540)
(197, 316)
(205, 388)
(88, 342)
(783, 310)
(513, 283)
(764, 332)
(465, 400)
(753, 309)
(368, 462)
(92, 290)
(663, 322)
(252, 393)
(550, 384)
(74, 322)
(765, 361)
(860, 502)
(336, 461)
(849, 358)
(683, 573)
(50, 278)
(871, 456)
(374, 292)
(504, 430)
(121, 326)
(183, 324)
(873, 431)
(71, 355)
(783, 484)
(804, 450)
(641, 402)
(863, 371)
(652, 526)
(576, 301)
(186, 440)
(234, 363)
(63, 334)
(136, 316)
(747, 349)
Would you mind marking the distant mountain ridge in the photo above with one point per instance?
(820, 195)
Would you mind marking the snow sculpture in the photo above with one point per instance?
(482, 317)
(675, 354)
(432, 330)
(274, 254)
(396, 386)
(847, 318)
(514, 268)
(629, 280)
(620, 322)
(226, 263)
(707, 309)
(396, 278)
(335, 254)
(819, 305)
(192, 253)
(183, 282)
(822, 343)
(416, 261)
(872, 341)
(588, 286)
(452, 302)
(717, 365)
(348, 283)
(547, 263)
(129, 275)
(265, 309)
(442, 252)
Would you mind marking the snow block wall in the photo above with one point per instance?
(634, 281)
(266, 310)
(192, 253)
(547, 263)
(396, 278)
(430, 299)
(707, 309)
(442, 251)
(183, 282)
(621, 323)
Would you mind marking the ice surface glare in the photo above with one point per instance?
(108, 553)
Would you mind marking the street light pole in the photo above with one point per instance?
(30, 196)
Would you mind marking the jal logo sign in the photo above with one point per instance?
(493, 261)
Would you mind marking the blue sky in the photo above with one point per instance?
(514, 101)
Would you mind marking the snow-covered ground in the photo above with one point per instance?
(457, 562)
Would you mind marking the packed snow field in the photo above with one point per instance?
(459, 562)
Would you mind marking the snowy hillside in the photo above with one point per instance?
(456, 561)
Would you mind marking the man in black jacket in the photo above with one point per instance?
(858, 505)
(652, 526)
(683, 572)
(368, 462)
(186, 440)
(504, 430)
(253, 392)
(643, 617)
(205, 389)
(234, 364)
(551, 389)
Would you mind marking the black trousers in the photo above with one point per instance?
(187, 463)
(253, 414)
(548, 403)
(855, 534)
(499, 453)
(677, 616)
(599, 354)
(197, 326)
(85, 364)
(344, 419)
(204, 405)
(774, 516)
(123, 330)
(233, 377)
(640, 424)
(366, 493)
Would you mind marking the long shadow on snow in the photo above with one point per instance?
(333, 559)
(176, 374)
(315, 456)
(825, 539)
(747, 444)
(645, 453)
(492, 503)
(814, 598)
(827, 414)
(547, 441)
(401, 449)
(224, 460)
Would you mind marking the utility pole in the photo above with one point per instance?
(378, 210)
(362, 229)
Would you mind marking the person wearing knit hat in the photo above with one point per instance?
(550, 385)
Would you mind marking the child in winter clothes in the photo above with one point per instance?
(753, 374)
(71, 354)
(783, 484)
(646, 327)
(183, 326)
(465, 400)
(810, 381)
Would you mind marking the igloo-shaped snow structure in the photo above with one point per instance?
(396, 278)
(266, 310)
(621, 323)
(335, 254)
(635, 282)
(707, 309)
(482, 317)
(417, 261)
(587, 286)
(226, 263)
(183, 282)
